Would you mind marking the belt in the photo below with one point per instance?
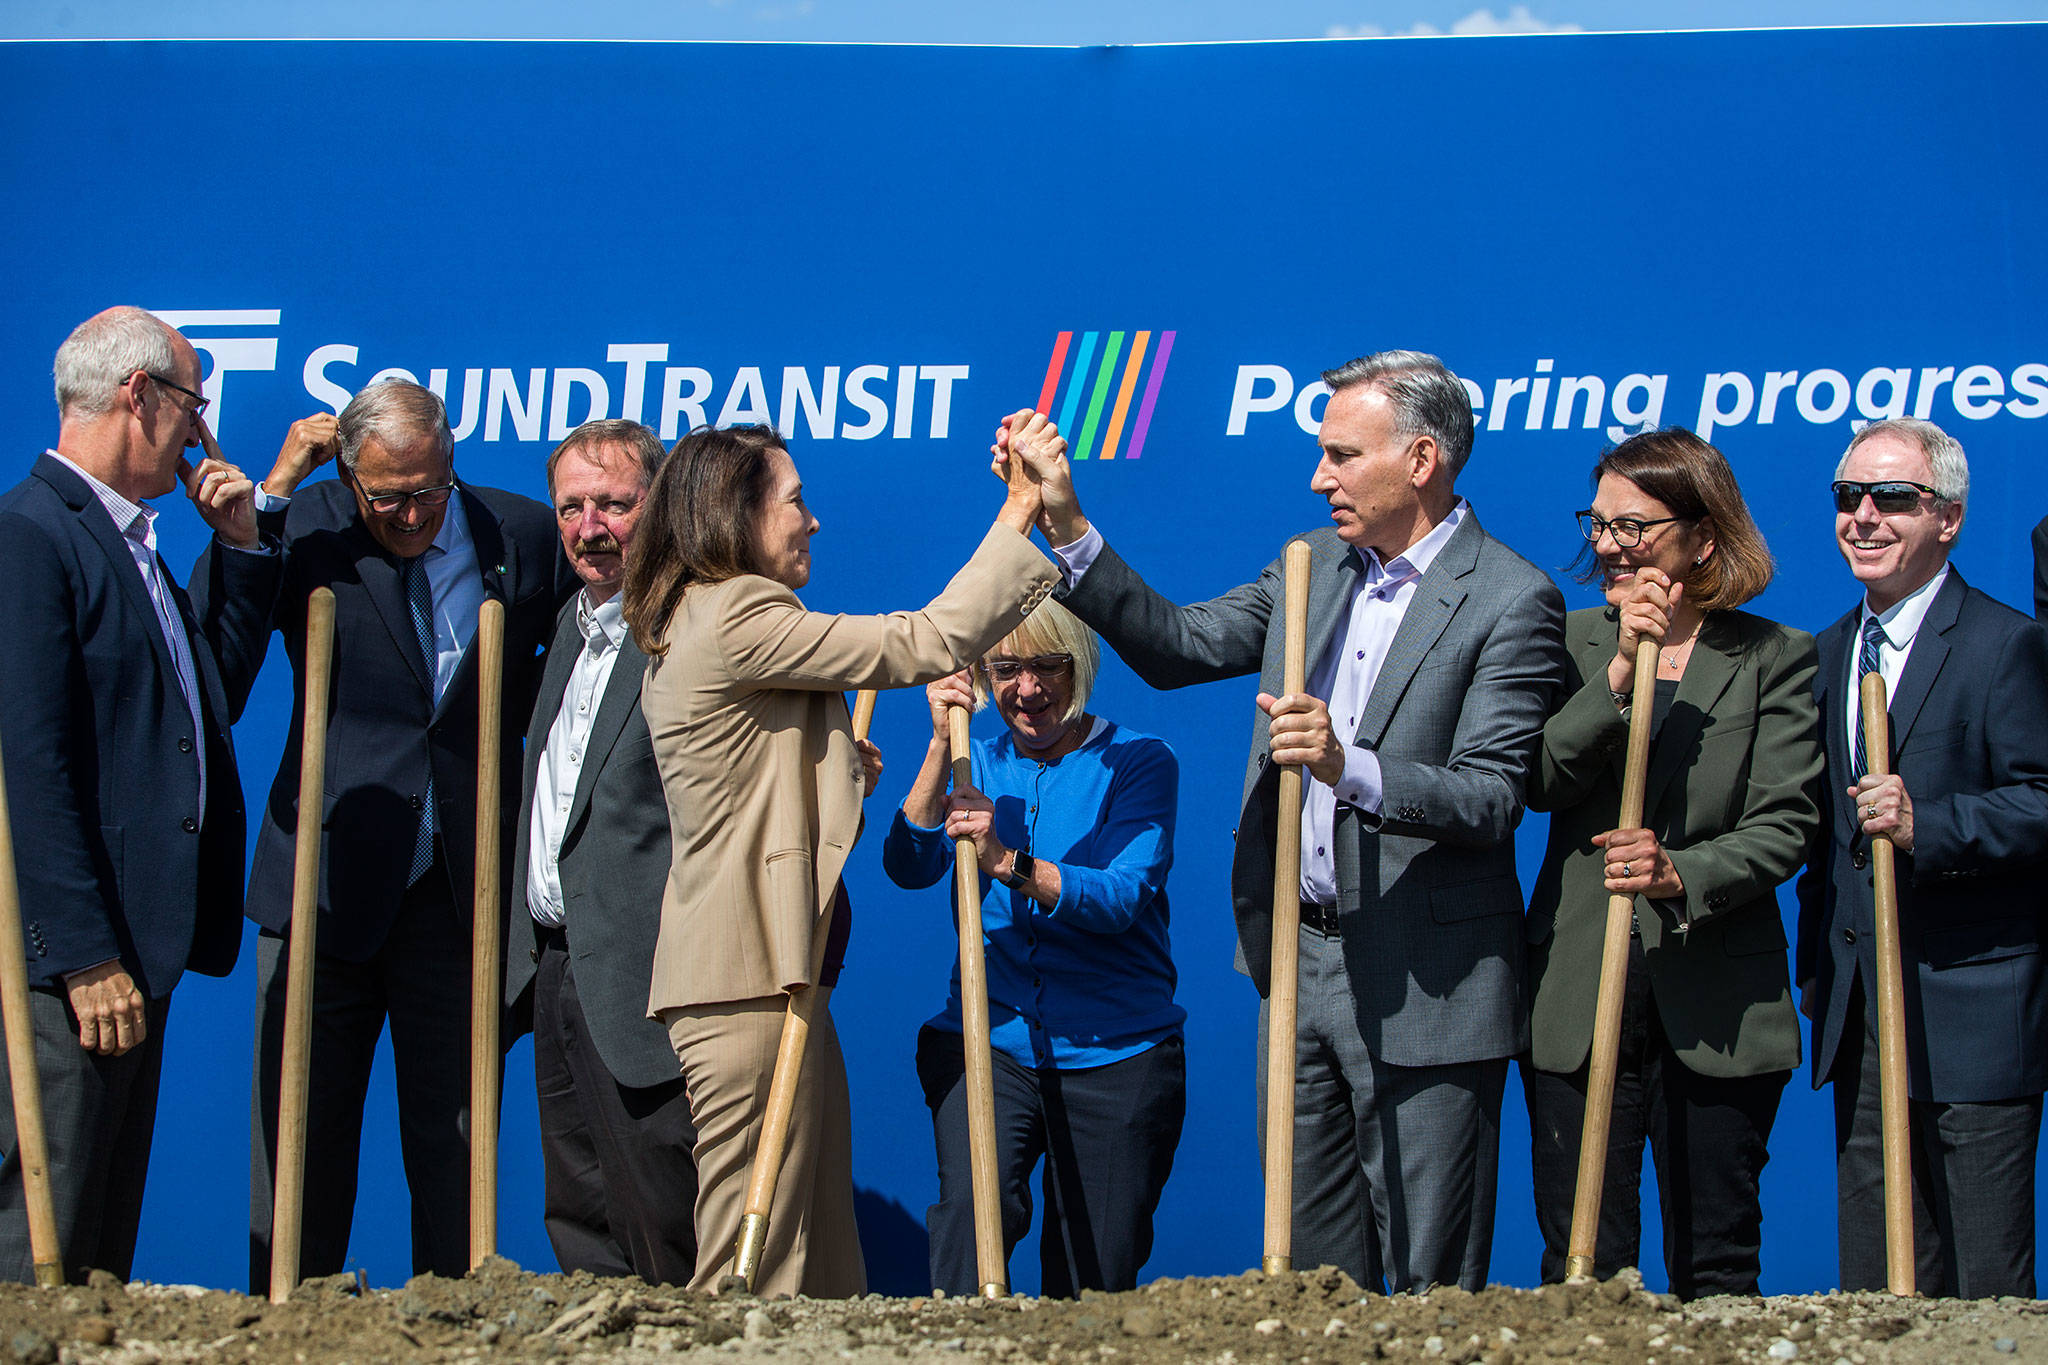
(1321, 918)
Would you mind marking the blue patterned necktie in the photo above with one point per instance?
(419, 596)
(1866, 664)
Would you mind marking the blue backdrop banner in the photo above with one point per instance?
(1769, 237)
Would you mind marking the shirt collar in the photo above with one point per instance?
(1414, 561)
(135, 520)
(607, 618)
(1901, 620)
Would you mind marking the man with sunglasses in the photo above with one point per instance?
(123, 797)
(1966, 807)
(411, 554)
(1435, 653)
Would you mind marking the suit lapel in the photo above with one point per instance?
(385, 586)
(99, 525)
(1923, 665)
(494, 565)
(1707, 675)
(1331, 584)
(554, 684)
(1438, 595)
(1834, 715)
(621, 695)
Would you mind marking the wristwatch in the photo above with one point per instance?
(1022, 866)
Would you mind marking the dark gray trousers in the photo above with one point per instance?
(1973, 1182)
(1394, 1166)
(418, 981)
(98, 1116)
(620, 1182)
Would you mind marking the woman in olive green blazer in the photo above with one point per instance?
(1709, 1033)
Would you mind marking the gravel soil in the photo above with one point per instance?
(1315, 1317)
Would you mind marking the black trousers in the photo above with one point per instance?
(1707, 1135)
(99, 1114)
(1107, 1134)
(419, 981)
(1973, 1181)
(620, 1183)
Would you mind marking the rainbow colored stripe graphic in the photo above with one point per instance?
(1095, 379)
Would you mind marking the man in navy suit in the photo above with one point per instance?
(122, 789)
(1966, 806)
(592, 861)
(411, 554)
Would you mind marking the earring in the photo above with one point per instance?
(1697, 562)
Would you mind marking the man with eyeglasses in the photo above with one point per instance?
(123, 797)
(592, 860)
(1966, 807)
(1435, 653)
(411, 554)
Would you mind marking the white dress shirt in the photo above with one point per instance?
(1901, 624)
(1344, 678)
(561, 763)
(137, 525)
(454, 578)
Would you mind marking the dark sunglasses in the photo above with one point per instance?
(1890, 495)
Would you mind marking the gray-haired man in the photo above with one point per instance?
(1435, 654)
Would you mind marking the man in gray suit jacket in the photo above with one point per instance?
(591, 861)
(1436, 653)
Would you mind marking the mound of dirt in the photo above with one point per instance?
(1314, 1318)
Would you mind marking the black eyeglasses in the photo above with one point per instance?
(385, 503)
(1890, 495)
(1043, 667)
(1627, 531)
(200, 402)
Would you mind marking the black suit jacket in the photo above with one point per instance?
(1969, 736)
(385, 732)
(112, 857)
(613, 865)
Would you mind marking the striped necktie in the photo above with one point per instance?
(419, 597)
(1866, 664)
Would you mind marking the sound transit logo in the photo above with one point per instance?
(1086, 374)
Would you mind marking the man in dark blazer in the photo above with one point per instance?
(125, 804)
(592, 859)
(1966, 807)
(411, 555)
(1435, 654)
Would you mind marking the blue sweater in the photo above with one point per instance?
(1089, 981)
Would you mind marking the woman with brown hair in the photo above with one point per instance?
(1709, 1035)
(750, 731)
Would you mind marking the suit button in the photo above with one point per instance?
(1848, 936)
(189, 825)
(416, 803)
(534, 953)
(184, 745)
(1858, 859)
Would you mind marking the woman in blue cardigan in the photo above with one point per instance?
(1072, 819)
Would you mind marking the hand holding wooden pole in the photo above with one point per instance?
(1281, 998)
(974, 1028)
(486, 944)
(1891, 1012)
(752, 1244)
(1613, 985)
(31, 1144)
(288, 1204)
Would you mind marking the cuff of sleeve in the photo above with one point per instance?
(1075, 560)
(263, 547)
(267, 501)
(1361, 784)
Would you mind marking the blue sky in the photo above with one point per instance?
(1056, 22)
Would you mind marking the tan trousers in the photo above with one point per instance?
(728, 1056)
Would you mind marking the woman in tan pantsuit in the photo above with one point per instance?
(744, 706)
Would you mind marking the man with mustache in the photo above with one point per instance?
(592, 858)
(1966, 807)
(1434, 653)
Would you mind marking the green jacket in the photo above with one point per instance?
(1730, 796)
